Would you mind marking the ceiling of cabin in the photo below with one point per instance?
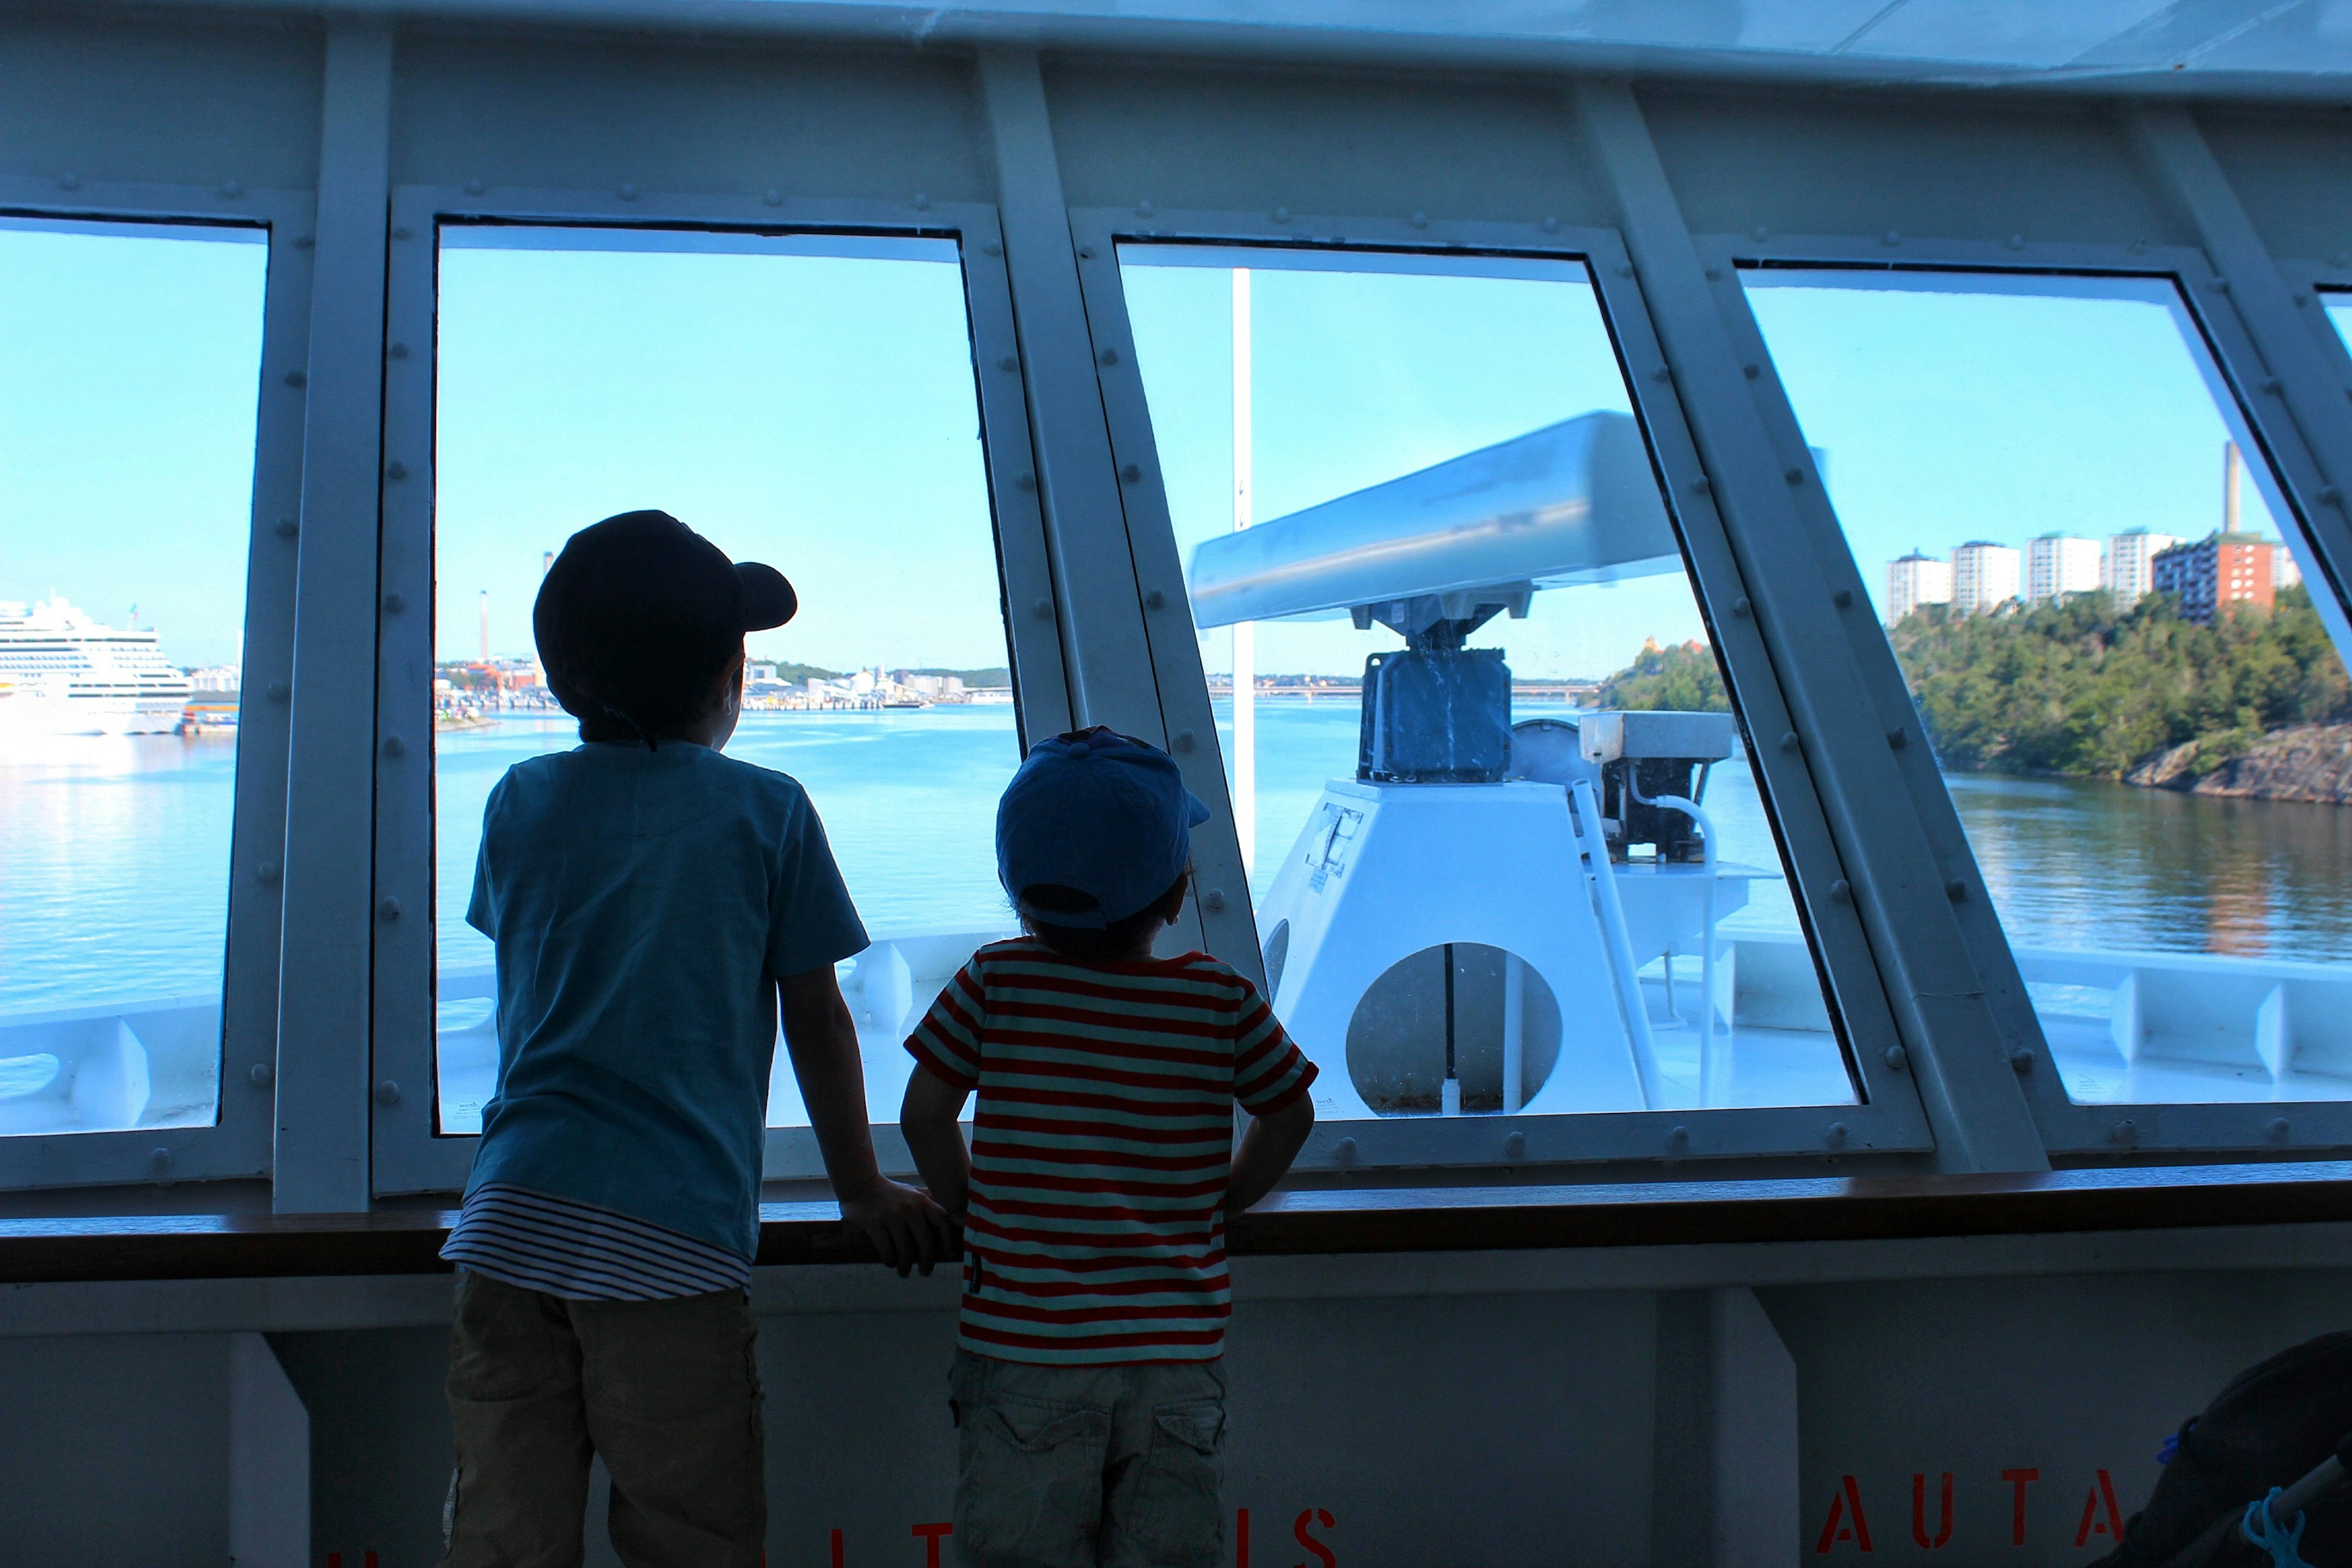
(2288, 48)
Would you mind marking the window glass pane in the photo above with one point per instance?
(2097, 593)
(129, 356)
(1444, 446)
(806, 401)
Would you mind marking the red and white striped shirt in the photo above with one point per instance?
(1101, 1146)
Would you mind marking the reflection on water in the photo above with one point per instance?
(2083, 865)
(114, 868)
(114, 851)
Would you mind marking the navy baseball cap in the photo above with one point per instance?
(647, 566)
(1099, 811)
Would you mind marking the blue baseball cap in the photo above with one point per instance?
(1099, 811)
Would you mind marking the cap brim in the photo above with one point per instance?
(767, 599)
(1200, 813)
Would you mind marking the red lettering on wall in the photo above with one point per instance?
(2018, 1480)
(1846, 1521)
(931, 1534)
(1299, 1528)
(1240, 1539)
(1919, 1513)
(2101, 1495)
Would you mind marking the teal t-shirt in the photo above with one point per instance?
(643, 904)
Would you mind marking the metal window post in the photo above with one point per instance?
(1102, 628)
(330, 914)
(1979, 1117)
(1113, 657)
(2294, 398)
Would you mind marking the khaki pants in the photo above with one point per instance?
(667, 1392)
(1089, 1467)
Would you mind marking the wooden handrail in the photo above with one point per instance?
(1360, 1220)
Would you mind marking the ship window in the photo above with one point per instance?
(130, 358)
(807, 401)
(1501, 827)
(2094, 586)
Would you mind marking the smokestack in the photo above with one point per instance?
(486, 626)
(2230, 464)
(546, 562)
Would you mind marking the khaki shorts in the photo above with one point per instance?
(1089, 1467)
(667, 1392)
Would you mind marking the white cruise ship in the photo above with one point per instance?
(62, 673)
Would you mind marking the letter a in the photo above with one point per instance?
(1919, 1513)
(2112, 1527)
(1845, 1507)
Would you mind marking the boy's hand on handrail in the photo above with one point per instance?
(905, 1225)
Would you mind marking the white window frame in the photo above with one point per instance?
(410, 1156)
(2249, 395)
(239, 1142)
(1889, 1120)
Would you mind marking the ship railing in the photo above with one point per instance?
(2122, 1024)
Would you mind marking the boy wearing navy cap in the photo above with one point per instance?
(651, 901)
(1088, 1384)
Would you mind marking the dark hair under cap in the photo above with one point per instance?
(638, 618)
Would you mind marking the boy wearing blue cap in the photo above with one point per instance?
(1088, 1383)
(651, 902)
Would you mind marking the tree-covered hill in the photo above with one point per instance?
(2078, 688)
(1681, 678)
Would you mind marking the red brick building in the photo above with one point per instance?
(2220, 570)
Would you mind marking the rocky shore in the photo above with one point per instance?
(2305, 762)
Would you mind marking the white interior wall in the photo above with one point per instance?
(1622, 1406)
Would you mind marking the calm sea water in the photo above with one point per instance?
(114, 853)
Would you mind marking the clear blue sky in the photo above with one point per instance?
(817, 411)
(129, 369)
(2002, 416)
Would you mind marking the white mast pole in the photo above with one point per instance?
(1245, 639)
